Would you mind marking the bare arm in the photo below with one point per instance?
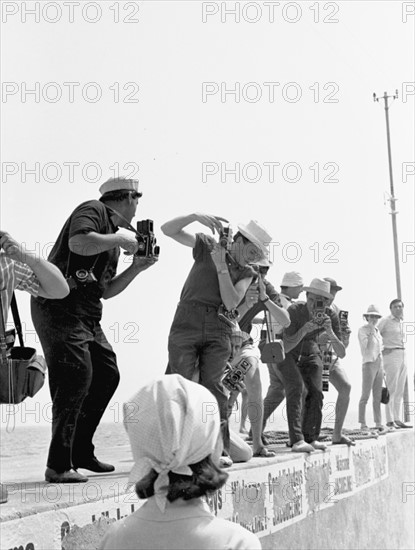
(337, 344)
(52, 283)
(231, 294)
(90, 244)
(280, 314)
(121, 281)
(175, 227)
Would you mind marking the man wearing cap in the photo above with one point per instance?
(83, 372)
(219, 276)
(394, 362)
(303, 364)
(337, 376)
(291, 287)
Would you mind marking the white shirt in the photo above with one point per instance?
(371, 354)
(391, 329)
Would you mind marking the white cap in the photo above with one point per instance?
(292, 278)
(119, 184)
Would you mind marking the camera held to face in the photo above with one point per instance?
(319, 312)
(147, 246)
(225, 237)
(81, 278)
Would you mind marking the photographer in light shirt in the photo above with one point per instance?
(370, 341)
(394, 362)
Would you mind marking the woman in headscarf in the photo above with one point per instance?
(176, 443)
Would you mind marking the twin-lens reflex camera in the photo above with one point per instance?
(235, 374)
(147, 246)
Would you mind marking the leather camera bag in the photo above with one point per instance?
(22, 371)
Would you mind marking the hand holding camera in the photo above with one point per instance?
(128, 242)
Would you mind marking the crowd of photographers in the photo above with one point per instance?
(225, 294)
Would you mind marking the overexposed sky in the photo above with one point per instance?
(299, 145)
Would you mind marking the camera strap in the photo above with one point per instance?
(89, 269)
(129, 226)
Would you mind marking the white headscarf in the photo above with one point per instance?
(171, 422)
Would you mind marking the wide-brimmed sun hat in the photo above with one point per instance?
(319, 287)
(257, 235)
(333, 284)
(372, 310)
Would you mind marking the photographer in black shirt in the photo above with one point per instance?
(83, 372)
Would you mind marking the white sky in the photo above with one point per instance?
(170, 132)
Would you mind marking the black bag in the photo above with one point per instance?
(385, 396)
(273, 350)
(22, 371)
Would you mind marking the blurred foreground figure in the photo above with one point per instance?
(176, 443)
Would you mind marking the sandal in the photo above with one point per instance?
(344, 440)
(265, 453)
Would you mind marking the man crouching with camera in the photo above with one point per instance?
(303, 363)
(83, 372)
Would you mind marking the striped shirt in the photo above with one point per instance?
(15, 275)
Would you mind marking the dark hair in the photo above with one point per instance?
(119, 195)
(206, 478)
(396, 301)
(239, 234)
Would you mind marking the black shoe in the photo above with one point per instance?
(94, 465)
(51, 476)
(400, 424)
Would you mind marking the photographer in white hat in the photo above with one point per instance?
(83, 371)
(217, 282)
(303, 364)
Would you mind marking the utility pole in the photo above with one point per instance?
(394, 213)
(392, 199)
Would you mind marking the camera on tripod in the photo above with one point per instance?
(319, 312)
(81, 278)
(235, 374)
(147, 246)
(327, 357)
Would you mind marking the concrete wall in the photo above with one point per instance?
(379, 517)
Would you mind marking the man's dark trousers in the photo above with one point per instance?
(297, 373)
(199, 338)
(83, 376)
